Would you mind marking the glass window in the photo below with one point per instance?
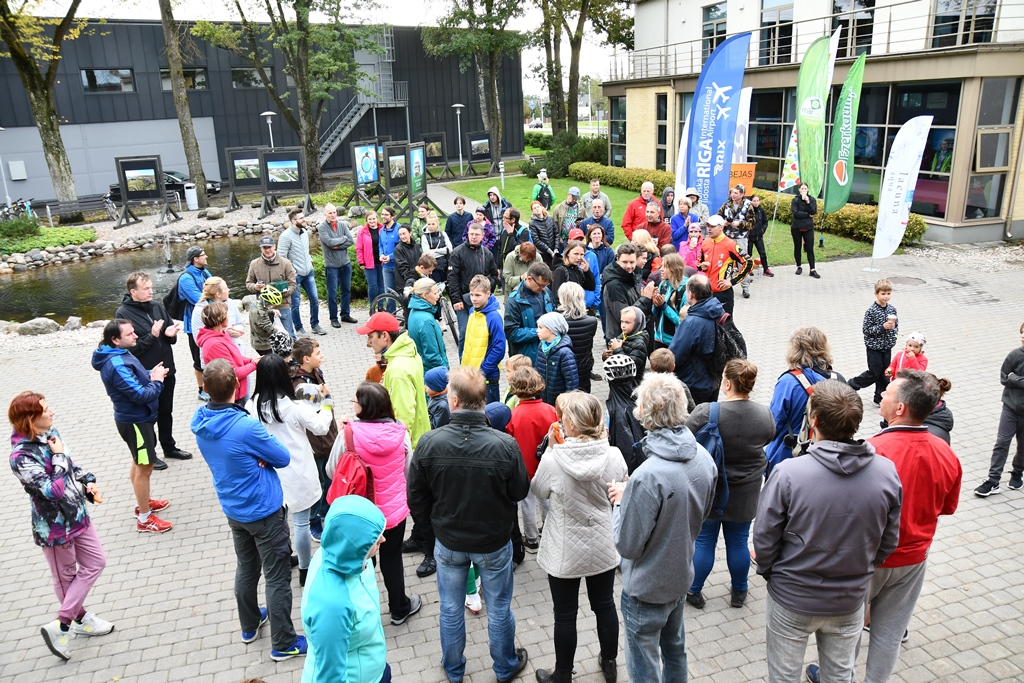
(998, 101)
(108, 80)
(619, 156)
(618, 107)
(685, 102)
(984, 196)
(930, 195)
(938, 150)
(867, 185)
(617, 131)
(662, 134)
(765, 140)
(940, 99)
(857, 17)
(195, 79)
(713, 28)
(766, 105)
(868, 146)
(766, 174)
(248, 78)
(874, 103)
(962, 22)
(660, 159)
(776, 40)
(790, 97)
(993, 150)
(662, 102)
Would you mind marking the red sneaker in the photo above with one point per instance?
(768, 273)
(154, 505)
(153, 525)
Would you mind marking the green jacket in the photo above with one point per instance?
(403, 379)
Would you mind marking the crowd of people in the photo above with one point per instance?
(678, 453)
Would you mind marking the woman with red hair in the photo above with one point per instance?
(58, 490)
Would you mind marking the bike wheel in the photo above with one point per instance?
(450, 319)
(386, 301)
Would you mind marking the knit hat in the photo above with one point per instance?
(918, 337)
(436, 379)
(498, 415)
(641, 319)
(555, 322)
(480, 209)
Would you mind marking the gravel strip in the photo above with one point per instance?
(990, 257)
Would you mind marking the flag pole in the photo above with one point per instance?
(774, 214)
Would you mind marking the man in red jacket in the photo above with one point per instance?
(930, 473)
(635, 217)
(659, 229)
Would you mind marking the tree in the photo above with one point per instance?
(581, 10)
(34, 45)
(319, 57)
(476, 32)
(613, 23)
(551, 30)
(181, 106)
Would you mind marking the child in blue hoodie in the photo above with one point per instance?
(485, 335)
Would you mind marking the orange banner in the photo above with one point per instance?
(742, 174)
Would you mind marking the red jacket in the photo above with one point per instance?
(903, 362)
(724, 261)
(531, 420)
(930, 473)
(661, 232)
(635, 217)
(217, 344)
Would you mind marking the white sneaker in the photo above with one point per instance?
(91, 625)
(56, 639)
(474, 603)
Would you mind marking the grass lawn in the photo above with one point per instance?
(533, 151)
(780, 252)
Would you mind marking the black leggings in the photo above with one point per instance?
(565, 597)
(807, 237)
(761, 251)
(392, 569)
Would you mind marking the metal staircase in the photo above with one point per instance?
(381, 91)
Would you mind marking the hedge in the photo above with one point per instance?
(856, 221)
(358, 277)
(47, 237)
(567, 149)
(538, 140)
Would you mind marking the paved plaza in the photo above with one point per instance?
(171, 597)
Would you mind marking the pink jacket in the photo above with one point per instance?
(217, 344)
(364, 248)
(383, 447)
(903, 362)
(691, 257)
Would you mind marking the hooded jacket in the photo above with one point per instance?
(666, 501)
(341, 602)
(403, 378)
(574, 476)
(468, 260)
(484, 346)
(217, 344)
(605, 255)
(635, 216)
(581, 334)
(232, 444)
(382, 445)
(940, 421)
(495, 212)
(694, 341)
(803, 213)
(514, 269)
(387, 240)
(1011, 376)
(426, 334)
(789, 398)
(148, 349)
(334, 243)
(545, 236)
(190, 290)
(824, 522)
(134, 395)
(406, 257)
(668, 206)
(364, 247)
(293, 245)
(506, 242)
(624, 432)
(558, 368)
(621, 289)
(521, 322)
(634, 345)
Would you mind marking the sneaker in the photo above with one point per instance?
(318, 330)
(153, 525)
(696, 599)
(348, 319)
(56, 639)
(813, 673)
(415, 602)
(315, 532)
(799, 270)
(522, 657)
(768, 273)
(746, 293)
(906, 636)
(91, 625)
(474, 603)
(301, 332)
(427, 567)
(1016, 482)
(594, 377)
(411, 545)
(203, 396)
(739, 598)
(155, 505)
(250, 636)
(815, 275)
(987, 488)
(531, 546)
(335, 323)
(296, 650)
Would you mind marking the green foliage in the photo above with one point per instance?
(358, 277)
(626, 178)
(566, 149)
(19, 227)
(338, 196)
(468, 31)
(47, 237)
(539, 140)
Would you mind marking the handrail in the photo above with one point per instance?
(344, 112)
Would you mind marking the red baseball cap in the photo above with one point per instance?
(379, 322)
(576, 234)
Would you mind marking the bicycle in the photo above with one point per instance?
(111, 207)
(400, 302)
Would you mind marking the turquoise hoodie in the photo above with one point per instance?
(424, 330)
(341, 603)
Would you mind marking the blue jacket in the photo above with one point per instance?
(424, 330)
(232, 443)
(387, 239)
(558, 368)
(456, 225)
(593, 298)
(190, 289)
(521, 323)
(341, 603)
(128, 385)
(680, 231)
(605, 255)
(788, 402)
(606, 224)
(694, 341)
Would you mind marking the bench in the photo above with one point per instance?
(71, 212)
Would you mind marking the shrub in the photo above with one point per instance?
(47, 237)
(856, 221)
(338, 196)
(358, 277)
(19, 227)
(538, 140)
(567, 149)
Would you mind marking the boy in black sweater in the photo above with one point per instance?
(1011, 423)
(880, 329)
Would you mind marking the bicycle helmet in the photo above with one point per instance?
(619, 366)
(271, 296)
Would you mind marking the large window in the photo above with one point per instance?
(195, 79)
(617, 130)
(857, 17)
(661, 148)
(997, 114)
(713, 28)
(107, 80)
(776, 44)
(685, 103)
(249, 78)
(962, 22)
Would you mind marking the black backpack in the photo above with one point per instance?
(545, 197)
(729, 344)
(710, 438)
(173, 302)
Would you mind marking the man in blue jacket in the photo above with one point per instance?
(525, 305)
(190, 290)
(694, 340)
(242, 457)
(135, 392)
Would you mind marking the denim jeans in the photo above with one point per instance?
(374, 282)
(339, 277)
(308, 283)
(286, 321)
(737, 555)
(389, 283)
(1010, 424)
(787, 634)
(494, 390)
(318, 512)
(653, 629)
(496, 575)
(303, 541)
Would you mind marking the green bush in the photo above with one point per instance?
(19, 227)
(338, 196)
(46, 237)
(358, 277)
(568, 149)
(856, 221)
(538, 140)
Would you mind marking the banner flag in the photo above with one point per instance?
(681, 160)
(839, 176)
(811, 95)
(791, 167)
(898, 185)
(739, 150)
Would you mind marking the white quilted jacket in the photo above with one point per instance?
(577, 539)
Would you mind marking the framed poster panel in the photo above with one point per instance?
(435, 147)
(396, 166)
(141, 178)
(284, 170)
(479, 145)
(244, 167)
(365, 162)
(417, 170)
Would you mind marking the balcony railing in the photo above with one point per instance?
(385, 91)
(900, 28)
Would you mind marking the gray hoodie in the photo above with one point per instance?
(824, 522)
(667, 499)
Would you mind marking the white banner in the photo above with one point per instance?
(739, 150)
(898, 185)
(681, 160)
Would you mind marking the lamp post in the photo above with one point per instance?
(3, 174)
(269, 116)
(458, 124)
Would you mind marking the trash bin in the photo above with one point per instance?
(191, 198)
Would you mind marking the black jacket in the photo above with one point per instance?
(506, 242)
(545, 236)
(564, 273)
(620, 289)
(582, 332)
(466, 262)
(465, 479)
(624, 432)
(635, 346)
(803, 212)
(760, 223)
(148, 349)
(406, 256)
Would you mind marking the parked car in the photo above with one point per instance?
(536, 123)
(174, 181)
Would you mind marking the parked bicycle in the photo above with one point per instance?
(19, 209)
(400, 302)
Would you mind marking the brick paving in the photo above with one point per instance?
(171, 595)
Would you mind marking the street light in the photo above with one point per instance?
(269, 115)
(3, 173)
(458, 123)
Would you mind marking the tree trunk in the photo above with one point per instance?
(494, 72)
(551, 76)
(181, 105)
(575, 45)
(558, 98)
(309, 128)
(48, 124)
(481, 90)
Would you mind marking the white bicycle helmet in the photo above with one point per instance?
(619, 366)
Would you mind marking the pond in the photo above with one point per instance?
(93, 289)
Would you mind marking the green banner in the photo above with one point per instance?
(839, 178)
(811, 94)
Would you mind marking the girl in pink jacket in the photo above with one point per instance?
(911, 357)
(215, 343)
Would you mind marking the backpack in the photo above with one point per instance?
(544, 196)
(352, 476)
(173, 302)
(729, 344)
(710, 438)
(799, 442)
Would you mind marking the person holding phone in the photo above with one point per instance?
(804, 208)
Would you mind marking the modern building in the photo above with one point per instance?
(113, 95)
(960, 61)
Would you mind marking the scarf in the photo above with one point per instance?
(545, 346)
